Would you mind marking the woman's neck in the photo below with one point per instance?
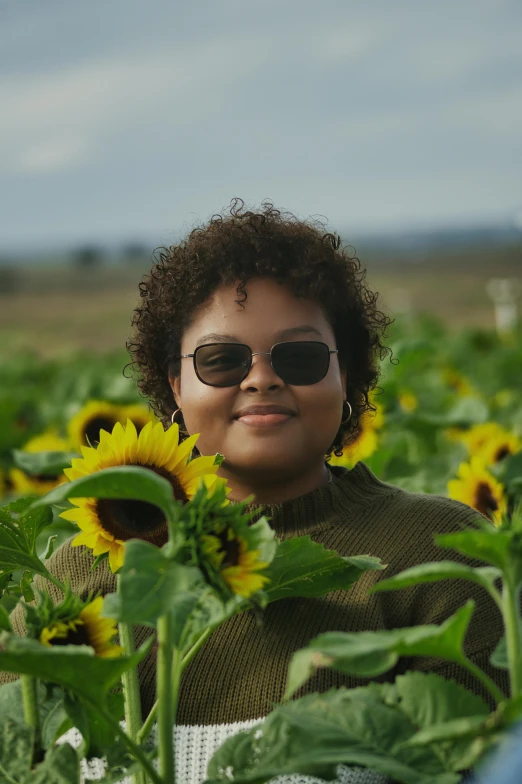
(273, 490)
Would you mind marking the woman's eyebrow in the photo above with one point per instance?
(212, 337)
(286, 333)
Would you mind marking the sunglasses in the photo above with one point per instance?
(298, 363)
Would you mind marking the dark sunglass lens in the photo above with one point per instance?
(301, 363)
(222, 364)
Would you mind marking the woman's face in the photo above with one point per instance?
(266, 445)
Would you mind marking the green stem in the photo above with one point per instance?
(177, 669)
(165, 701)
(30, 702)
(55, 581)
(7, 777)
(133, 748)
(510, 598)
(131, 693)
(148, 724)
(490, 685)
(195, 648)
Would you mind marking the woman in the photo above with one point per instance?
(260, 333)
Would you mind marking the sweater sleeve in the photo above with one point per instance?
(75, 564)
(433, 603)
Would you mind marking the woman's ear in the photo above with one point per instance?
(175, 385)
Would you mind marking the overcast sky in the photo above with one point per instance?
(129, 120)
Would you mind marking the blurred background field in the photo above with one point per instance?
(53, 309)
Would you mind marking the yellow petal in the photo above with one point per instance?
(116, 557)
(88, 540)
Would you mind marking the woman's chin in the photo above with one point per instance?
(264, 463)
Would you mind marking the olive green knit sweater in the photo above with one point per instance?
(240, 672)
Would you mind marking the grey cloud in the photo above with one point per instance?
(127, 117)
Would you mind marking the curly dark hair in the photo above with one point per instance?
(237, 246)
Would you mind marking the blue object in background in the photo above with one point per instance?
(505, 767)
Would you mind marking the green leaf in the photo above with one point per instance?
(262, 538)
(508, 712)
(313, 735)
(50, 706)
(304, 568)
(120, 763)
(73, 667)
(195, 612)
(490, 545)
(5, 579)
(370, 654)
(149, 585)
(16, 751)
(499, 657)
(49, 550)
(466, 411)
(428, 698)
(98, 734)
(140, 484)
(28, 522)
(5, 623)
(26, 587)
(20, 526)
(60, 766)
(448, 731)
(486, 576)
(512, 469)
(43, 463)
(431, 701)
(55, 722)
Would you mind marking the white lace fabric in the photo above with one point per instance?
(195, 747)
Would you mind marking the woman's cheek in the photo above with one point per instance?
(208, 415)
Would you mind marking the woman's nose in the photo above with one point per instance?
(261, 376)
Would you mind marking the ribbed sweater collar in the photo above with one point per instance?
(318, 509)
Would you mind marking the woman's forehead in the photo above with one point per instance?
(270, 310)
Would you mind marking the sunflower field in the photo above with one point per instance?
(447, 420)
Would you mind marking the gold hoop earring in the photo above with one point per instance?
(173, 421)
(346, 418)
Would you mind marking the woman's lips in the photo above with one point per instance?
(264, 420)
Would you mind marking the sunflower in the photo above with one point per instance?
(88, 628)
(499, 447)
(106, 523)
(85, 426)
(478, 436)
(476, 487)
(408, 401)
(140, 415)
(458, 383)
(239, 567)
(366, 442)
(504, 398)
(27, 484)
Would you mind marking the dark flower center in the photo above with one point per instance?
(78, 636)
(125, 518)
(485, 501)
(92, 428)
(231, 548)
(46, 477)
(501, 453)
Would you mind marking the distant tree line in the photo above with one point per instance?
(90, 256)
